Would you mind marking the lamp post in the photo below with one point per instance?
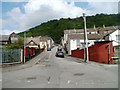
(86, 56)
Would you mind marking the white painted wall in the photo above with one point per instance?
(72, 45)
(48, 43)
(42, 44)
(65, 38)
(113, 37)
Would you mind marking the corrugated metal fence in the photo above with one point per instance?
(10, 56)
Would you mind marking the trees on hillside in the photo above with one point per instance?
(55, 28)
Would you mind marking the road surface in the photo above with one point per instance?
(54, 72)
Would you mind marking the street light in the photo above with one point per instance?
(86, 56)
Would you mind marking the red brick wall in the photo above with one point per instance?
(97, 53)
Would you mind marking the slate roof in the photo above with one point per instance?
(81, 36)
(70, 31)
(45, 38)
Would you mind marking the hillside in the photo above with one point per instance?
(55, 28)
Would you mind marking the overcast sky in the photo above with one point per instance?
(20, 16)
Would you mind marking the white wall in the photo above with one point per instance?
(65, 38)
(48, 43)
(72, 45)
(113, 37)
(42, 43)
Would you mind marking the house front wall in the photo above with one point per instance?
(48, 43)
(43, 44)
(113, 37)
(72, 45)
(65, 38)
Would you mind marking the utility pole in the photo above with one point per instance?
(86, 56)
(24, 45)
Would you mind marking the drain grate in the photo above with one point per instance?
(79, 74)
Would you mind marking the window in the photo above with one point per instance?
(117, 37)
(78, 42)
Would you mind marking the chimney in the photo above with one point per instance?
(103, 26)
(98, 30)
(95, 29)
(103, 29)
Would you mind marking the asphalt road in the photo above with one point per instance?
(53, 72)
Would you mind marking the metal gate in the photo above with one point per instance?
(10, 56)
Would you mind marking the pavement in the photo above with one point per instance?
(48, 71)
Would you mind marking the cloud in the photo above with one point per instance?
(14, 0)
(13, 20)
(39, 11)
(104, 7)
(7, 31)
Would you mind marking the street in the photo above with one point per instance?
(55, 72)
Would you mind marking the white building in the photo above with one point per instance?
(115, 37)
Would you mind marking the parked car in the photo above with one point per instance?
(59, 54)
(59, 48)
(48, 49)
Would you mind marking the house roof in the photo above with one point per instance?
(35, 39)
(112, 32)
(70, 31)
(46, 38)
(81, 36)
(4, 37)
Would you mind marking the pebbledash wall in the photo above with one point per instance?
(101, 52)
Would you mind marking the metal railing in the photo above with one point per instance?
(10, 56)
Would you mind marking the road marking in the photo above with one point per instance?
(28, 81)
(48, 82)
(69, 81)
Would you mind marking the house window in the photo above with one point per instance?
(117, 37)
(78, 42)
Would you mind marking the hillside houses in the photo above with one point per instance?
(39, 42)
(8, 39)
(32, 42)
(74, 38)
(77, 41)
(5, 40)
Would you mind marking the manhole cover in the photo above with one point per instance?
(78, 74)
(29, 78)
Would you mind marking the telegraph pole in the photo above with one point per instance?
(24, 45)
(86, 56)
